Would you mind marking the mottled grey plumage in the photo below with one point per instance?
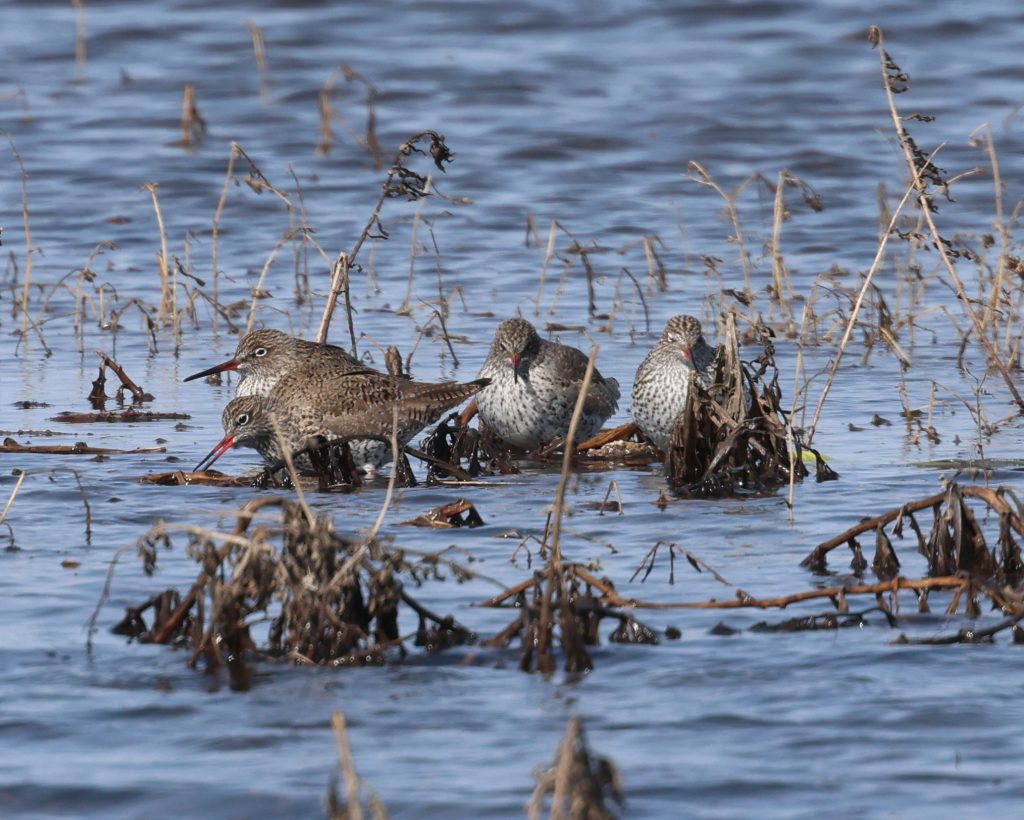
(264, 356)
(534, 387)
(662, 382)
(327, 400)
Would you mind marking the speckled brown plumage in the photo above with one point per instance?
(534, 387)
(662, 382)
(328, 401)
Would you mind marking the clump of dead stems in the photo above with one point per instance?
(475, 452)
(570, 597)
(961, 560)
(563, 604)
(733, 435)
(955, 544)
(578, 783)
(329, 599)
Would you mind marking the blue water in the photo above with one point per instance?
(578, 112)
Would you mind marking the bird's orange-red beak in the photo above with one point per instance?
(230, 364)
(517, 362)
(222, 447)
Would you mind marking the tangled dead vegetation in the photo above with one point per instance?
(733, 435)
(955, 546)
(326, 599)
(567, 596)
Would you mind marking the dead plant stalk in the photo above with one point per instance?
(923, 199)
(168, 298)
(348, 767)
(29, 250)
(852, 322)
(216, 232)
(397, 167)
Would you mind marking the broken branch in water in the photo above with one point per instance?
(210, 478)
(79, 449)
(956, 542)
(138, 394)
(459, 513)
(126, 416)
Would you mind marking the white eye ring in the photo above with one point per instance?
(242, 420)
(260, 352)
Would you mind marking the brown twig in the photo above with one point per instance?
(80, 449)
(621, 433)
(259, 50)
(128, 415)
(137, 392)
(440, 154)
(852, 321)
(354, 808)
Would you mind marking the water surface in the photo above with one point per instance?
(578, 112)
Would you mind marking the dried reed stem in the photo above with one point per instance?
(924, 201)
(29, 250)
(340, 283)
(354, 809)
(405, 309)
(549, 254)
(875, 264)
(14, 492)
(1002, 229)
(328, 113)
(286, 454)
(259, 50)
(730, 206)
(193, 126)
(216, 232)
(168, 298)
(258, 288)
(392, 479)
(80, 43)
(577, 413)
(783, 291)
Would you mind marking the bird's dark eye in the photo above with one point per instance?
(242, 420)
(260, 352)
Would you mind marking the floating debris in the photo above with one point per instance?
(98, 396)
(78, 449)
(211, 478)
(127, 416)
(459, 513)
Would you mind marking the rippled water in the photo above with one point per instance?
(581, 112)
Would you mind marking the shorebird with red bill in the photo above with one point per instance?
(328, 401)
(534, 387)
(662, 383)
(264, 356)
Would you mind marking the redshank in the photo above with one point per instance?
(534, 387)
(662, 382)
(327, 401)
(264, 356)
